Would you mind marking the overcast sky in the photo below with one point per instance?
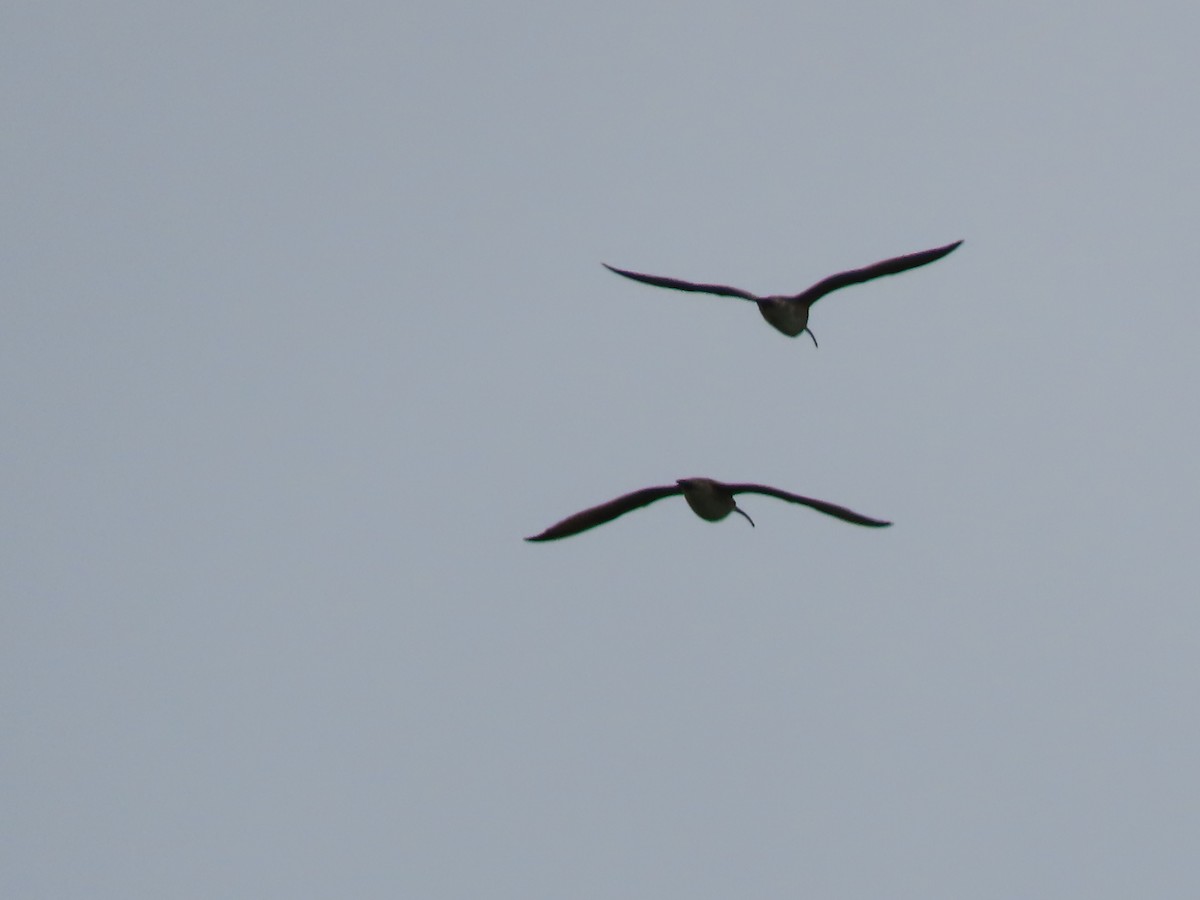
(305, 327)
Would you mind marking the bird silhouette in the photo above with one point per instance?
(710, 500)
(789, 314)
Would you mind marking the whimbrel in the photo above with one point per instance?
(790, 314)
(710, 500)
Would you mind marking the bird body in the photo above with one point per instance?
(785, 314)
(708, 499)
(789, 314)
(711, 500)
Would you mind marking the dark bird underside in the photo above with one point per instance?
(789, 313)
(709, 499)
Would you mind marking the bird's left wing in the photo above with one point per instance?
(605, 512)
(720, 290)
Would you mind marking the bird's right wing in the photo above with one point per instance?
(875, 270)
(658, 281)
(830, 509)
(605, 512)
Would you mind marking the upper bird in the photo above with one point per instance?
(790, 313)
(709, 499)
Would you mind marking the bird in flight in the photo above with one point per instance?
(789, 314)
(710, 500)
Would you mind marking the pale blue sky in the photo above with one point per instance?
(306, 328)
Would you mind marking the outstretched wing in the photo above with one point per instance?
(605, 512)
(875, 270)
(658, 281)
(830, 509)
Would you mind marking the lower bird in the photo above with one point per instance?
(710, 500)
(789, 314)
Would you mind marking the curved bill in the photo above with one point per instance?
(740, 511)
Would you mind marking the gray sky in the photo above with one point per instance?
(305, 329)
